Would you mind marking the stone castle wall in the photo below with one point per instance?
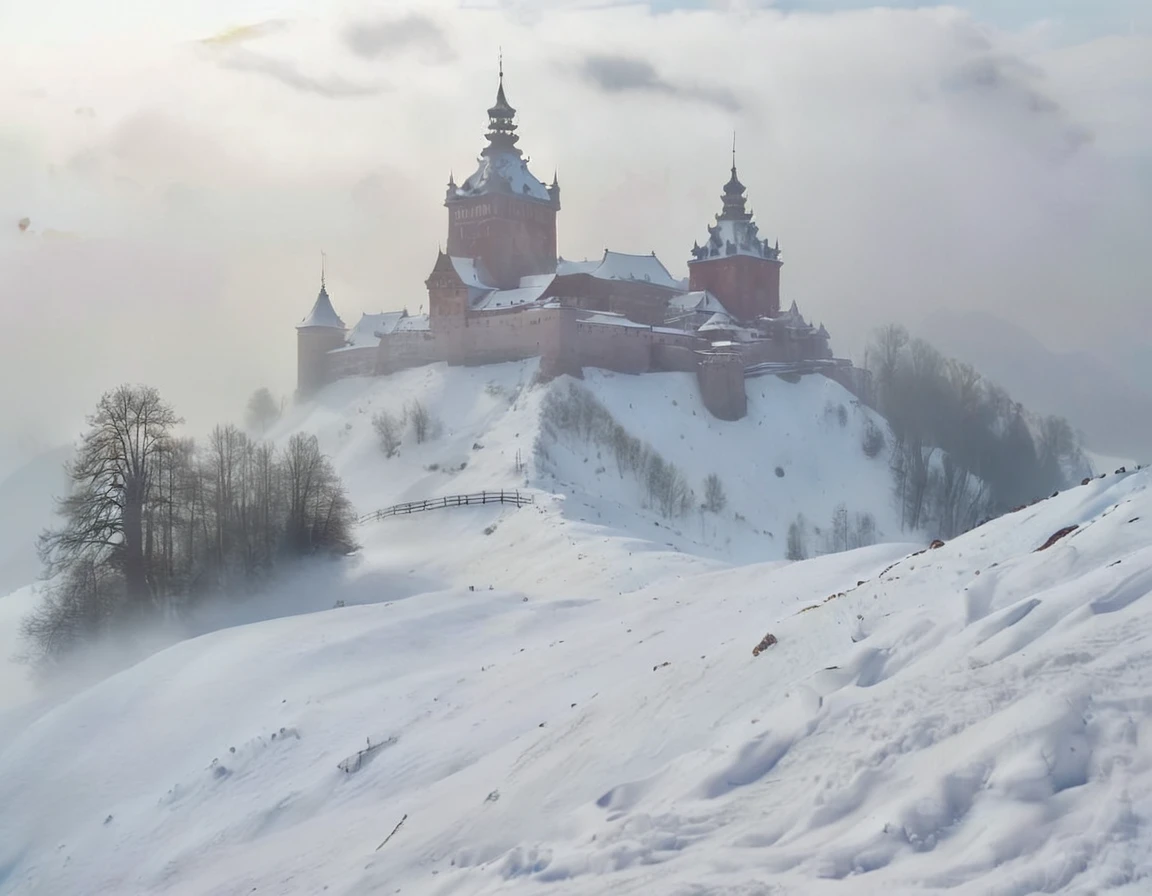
(721, 380)
(566, 341)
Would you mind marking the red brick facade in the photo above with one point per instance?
(747, 286)
(511, 236)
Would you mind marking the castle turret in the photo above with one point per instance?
(318, 334)
(502, 215)
(735, 264)
(554, 191)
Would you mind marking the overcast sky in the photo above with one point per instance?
(183, 165)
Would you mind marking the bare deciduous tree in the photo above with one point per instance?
(113, 483)
(797, 539)
(421, 421)
(389, 430)
(714, 498)
(151, 520)
(262, 411)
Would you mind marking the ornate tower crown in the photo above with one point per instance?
(501, 134)
(733, 199)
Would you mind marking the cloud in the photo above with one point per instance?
(290, 74)
(1009, 87)
(245, 33)
(906, 160)
(615, 73)
(388, 37)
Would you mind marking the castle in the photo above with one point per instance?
(500, 292)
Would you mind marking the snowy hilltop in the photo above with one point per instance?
(582, 693)
(804, 450)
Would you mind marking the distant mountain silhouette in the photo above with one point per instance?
(1110, 401)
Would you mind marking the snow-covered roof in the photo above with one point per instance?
(697, 300)
(502, 172)
(734, 237)
(537, 279)
(509, 298)
(622, 266)
(608, 318)
(673, 331)
(322, 314)
(413, 322)
(471, 272)
(718, 321)
(566, 268)
(791, 319)
(367, 332)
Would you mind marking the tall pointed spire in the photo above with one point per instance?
(733, 198)
(322, 313)
(501, 119)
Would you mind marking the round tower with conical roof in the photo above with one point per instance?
(317, 335)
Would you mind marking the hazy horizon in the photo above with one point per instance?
(181, 178)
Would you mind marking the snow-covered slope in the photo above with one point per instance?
(797, 452)
(560, 702)
(974, 718)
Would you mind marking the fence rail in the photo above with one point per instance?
(515, 498)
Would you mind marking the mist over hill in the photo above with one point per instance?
(1109, 398)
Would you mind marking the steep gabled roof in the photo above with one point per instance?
(721, 320)
(698, 300)
(471, 272)
(367, 332)
(622, 266)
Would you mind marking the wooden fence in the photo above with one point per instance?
(515, 498)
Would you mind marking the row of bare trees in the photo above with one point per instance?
(577, 414)
(156, 521)
(964, 450)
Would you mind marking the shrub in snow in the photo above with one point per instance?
(389, 430)
(873, 441)
(424, 425)
(797, 539)
(849, 532)
(714, 498)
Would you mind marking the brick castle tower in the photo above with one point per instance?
(735, 265)
(319, 333)
(502, 216)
